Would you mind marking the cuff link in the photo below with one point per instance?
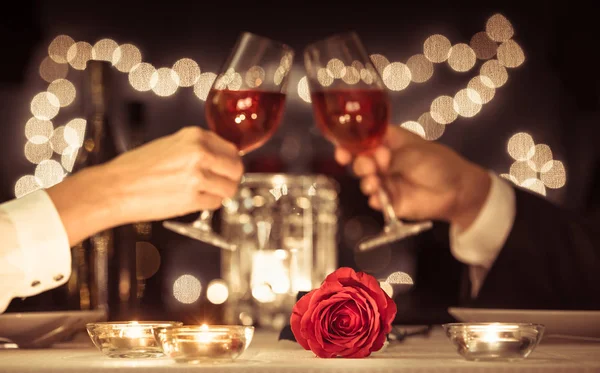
(35, 283)
(58, 277)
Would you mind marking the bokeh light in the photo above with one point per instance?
(45, 106)
(325, 77)
(510, 54)
(74, 133)
(494, 72)
(521, 171)
(433, 129)
(462, 58)
(399, 278)
(27, 184)
(336, 67)
(484, 47)
(64, 90)
(414, 127)
(535, 185)
(540, 155)
(49, 173)
(140, 77)
(499, 28)
(51, 70)
(58, 141)
(59, 48)
(421, 69)
(217, 292)
(303, 90)
(36, 153)
(79, 54)
(255, 76)
(38, 131)
(203, 85)
(521, 146)
(187, 289)
(125, 57)
(467, 102)
(352, 75)
(380, 62)
(554, 176)
(437, 48)
(164, 82)
(104, 49)
(484, 88)
(396, 76)
(442, 110)
(187, 71)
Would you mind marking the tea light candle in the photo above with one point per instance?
(195, 344)
(494, 341)
(130, 339)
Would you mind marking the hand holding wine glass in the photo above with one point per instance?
(244, 107)
(351, 108)
(425, 180)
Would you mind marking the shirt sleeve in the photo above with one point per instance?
(34, 248)
(479, 245)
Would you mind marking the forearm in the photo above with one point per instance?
(87, 202)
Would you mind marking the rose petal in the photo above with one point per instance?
(298, 311)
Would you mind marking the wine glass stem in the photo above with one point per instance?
(204, 220)
(388, 210)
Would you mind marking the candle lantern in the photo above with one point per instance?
(285, 230)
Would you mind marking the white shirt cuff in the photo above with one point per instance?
(40, 259)
(479, 245)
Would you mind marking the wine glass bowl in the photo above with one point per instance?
(352, 110)
(244, 106)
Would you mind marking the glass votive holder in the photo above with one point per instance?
(128, 339)
(205, 343)
(494, 341)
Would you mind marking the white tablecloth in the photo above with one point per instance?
(416, 354)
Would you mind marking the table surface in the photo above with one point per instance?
(266, 354)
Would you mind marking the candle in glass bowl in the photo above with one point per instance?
(128, 339)
(494, 341)
(205, 343)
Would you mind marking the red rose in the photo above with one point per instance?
(348, 316)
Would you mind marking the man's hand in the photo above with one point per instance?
(425, 180)
(188, 171)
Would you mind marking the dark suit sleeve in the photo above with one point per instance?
(551, 260)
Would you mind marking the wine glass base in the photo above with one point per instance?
(394, 233)
(199, 234)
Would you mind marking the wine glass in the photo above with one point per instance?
(352, 110)
(244, 106)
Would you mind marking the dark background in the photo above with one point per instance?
(554, 96)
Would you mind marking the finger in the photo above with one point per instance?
(205, 201)
(222, 158)
(216, 184)
(374, 202)
(342, 156)
(370, 184)
(382, 157)
(364, 165)
(397, 137)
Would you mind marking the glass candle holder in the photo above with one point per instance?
(204, 344)
(494, 341)
(284, 227)
(128, 339)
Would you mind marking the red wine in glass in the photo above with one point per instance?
(246, 118)
(246, 113)
(355, 119)
(354, 114)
